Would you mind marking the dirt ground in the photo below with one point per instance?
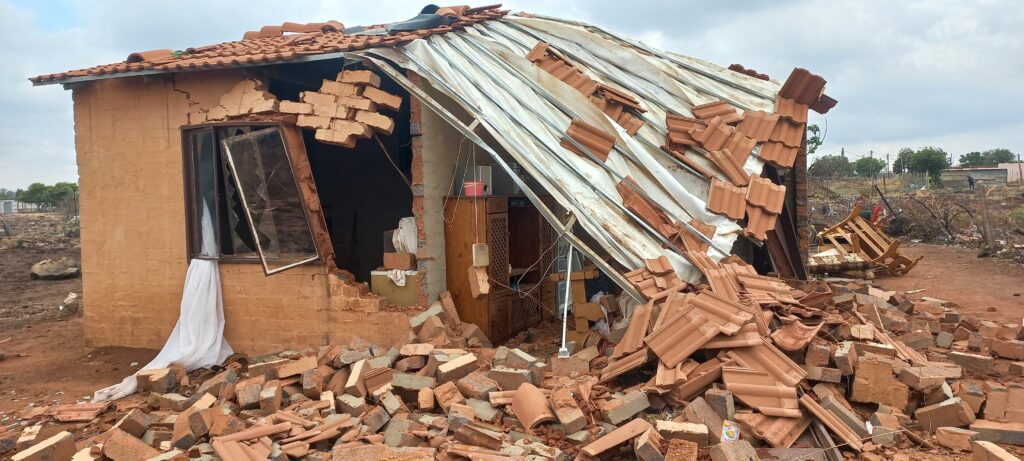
(47, 360)
(956, 274)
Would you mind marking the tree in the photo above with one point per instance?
(899, 166)
(813, 138)
(61, 191)
(990, 157)
(830, 166)
(37, 192)
(7, 194)
(972, 159)
(868, 166)
(997, 156)
(931, 160)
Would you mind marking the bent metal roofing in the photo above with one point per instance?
(578, 141)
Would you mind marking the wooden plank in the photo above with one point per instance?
(465, 224)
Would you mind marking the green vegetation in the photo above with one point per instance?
(831, 166)
(41, 194)
(931, 160)
(990, 157)
(868, 166)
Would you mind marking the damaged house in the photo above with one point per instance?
(349, 174)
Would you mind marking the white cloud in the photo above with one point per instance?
(905, 74)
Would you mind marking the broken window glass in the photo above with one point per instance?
(270, 196)
(212, 190)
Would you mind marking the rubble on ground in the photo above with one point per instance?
(800, 368)
(50, 269)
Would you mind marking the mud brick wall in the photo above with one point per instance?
(127, 134)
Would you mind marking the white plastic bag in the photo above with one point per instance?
(404, 238)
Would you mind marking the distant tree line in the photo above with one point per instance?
(42, 194)
(931, 160)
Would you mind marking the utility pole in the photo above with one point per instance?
(842, 151)
(983, 194)
(1020, 171)
(888, 169)
(871, 153)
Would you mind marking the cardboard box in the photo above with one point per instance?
(400, 261)
(406, 295)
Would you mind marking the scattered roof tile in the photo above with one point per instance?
(778, 154)
(778, 432)
(594, 139)
(759, 222)
(832, 422)
(624, 364)
(150, 56)
(619, 436)
(763, 193)
(761, 392)
(802, 86)
(769, 359)
(754, 283)
(700, 378)
(757, 124)
(795, 335)
(740, 146)
(531, 406)
(712, 136)
(748, 336)
(727, 164)
(633, 339)
(681, 336)
(689, 239)
(717, 109)
(726, 199)
(791, 110)
(723, 283)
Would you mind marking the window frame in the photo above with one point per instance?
(189, 183)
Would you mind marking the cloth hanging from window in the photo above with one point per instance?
(198, 338)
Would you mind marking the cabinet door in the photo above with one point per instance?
(497, 243)
(499, 315)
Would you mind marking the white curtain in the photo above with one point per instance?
(198, 338)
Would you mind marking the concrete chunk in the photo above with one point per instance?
(456, 369)
(955, 438)
(953, 412)
(693, 432)
(620, 410)
(739, 450)
(60, 446)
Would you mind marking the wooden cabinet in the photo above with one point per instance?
(468, 220)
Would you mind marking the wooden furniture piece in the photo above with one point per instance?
(857, 236)
(514, 236)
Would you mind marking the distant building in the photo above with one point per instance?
(991, 175)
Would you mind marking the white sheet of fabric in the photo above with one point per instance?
(404, 238)
(198, 338)
(397, 276)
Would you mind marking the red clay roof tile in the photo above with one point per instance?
(723, 283)
(624, 364)
(704, 317)
(633, 339)
(795, 335)
(832, 422)
(788, 133)
(596, 140)
(769, 359)
(726, 199)
(740, 146)
(823, 104)
(802, 86)
(150, 56)
(778, 432)
(763, 193)
(679, 130)
(759, 222)
(745, 71)
(778, 154)
(699, 379)
(757, 125)
(791, 110)
(717, 109)
(729, 166)
(269, 49)
(748, 336)
(621, 97)
(712, 136)
(619, 436)
(760, 391)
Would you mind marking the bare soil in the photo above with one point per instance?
(988, 288)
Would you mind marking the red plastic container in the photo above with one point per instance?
(473, 189)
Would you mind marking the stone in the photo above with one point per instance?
(845, 414)
(874, 383)
(60, 446)
(1008, 349)
(698, 411)
(568, 410)
(620, 410)
(997, 399)
(681, 450)
(649, 446)
(692, 432)
(992, 431)
(953, 412)
(974, 362)
(738, 450)
(988, 451)
(955, 438)
(476, 385)
(721, 400)
(944, 339)
(49, 269)
(120, 445)
(846, 358)
(509, 379)
(456, 369)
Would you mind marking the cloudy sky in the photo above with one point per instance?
(906, 74)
